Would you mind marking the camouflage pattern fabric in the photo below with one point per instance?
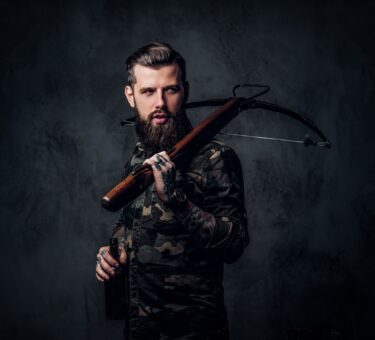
(176, 270)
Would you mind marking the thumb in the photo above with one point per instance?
(123, 257)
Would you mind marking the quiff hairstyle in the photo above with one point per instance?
(155, 55)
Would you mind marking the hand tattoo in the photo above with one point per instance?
(157, 166)
(160, 160)
(164, 175)
(168, 179)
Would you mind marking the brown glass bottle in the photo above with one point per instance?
(115, 288)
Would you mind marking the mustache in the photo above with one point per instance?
(161, 112)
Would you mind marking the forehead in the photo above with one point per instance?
(153, 77)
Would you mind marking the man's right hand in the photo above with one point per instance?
(107, 266)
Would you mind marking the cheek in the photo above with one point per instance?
(176, 103)
(143, 107)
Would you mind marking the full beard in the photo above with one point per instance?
(157, 138)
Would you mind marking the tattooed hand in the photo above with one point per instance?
(106, 265)
(164, 173)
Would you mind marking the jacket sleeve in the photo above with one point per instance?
(223, 227)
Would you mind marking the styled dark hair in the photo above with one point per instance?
(155, 55)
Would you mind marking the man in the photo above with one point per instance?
(179, 233)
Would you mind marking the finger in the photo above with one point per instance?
(106, 267)
(101, 253)
(103, 250)
(101, 273)
(165, 164)
(153, 159)
(160, 160)
(109, 259)
(168, 168)
(164, 160)
(167, 159)
(153, 163)
(165, 156)
(156, 166)
(148, 161)
(99, 278)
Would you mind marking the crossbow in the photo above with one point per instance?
(252, 103)
(133, 185)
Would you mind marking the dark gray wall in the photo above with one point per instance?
(311, 211)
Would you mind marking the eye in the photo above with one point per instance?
(173, 90)
(148, 92)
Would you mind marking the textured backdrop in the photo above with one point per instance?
(309, 267)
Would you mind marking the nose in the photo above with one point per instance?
(160, 101)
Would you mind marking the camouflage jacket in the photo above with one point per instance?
(176, 270)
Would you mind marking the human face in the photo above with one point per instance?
(158, 92)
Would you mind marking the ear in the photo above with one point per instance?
(129, 94)
(186, 89)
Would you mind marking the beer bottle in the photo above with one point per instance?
(115, 288)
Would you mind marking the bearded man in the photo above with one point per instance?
(179, 233)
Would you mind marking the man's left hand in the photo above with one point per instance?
(164, 171)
